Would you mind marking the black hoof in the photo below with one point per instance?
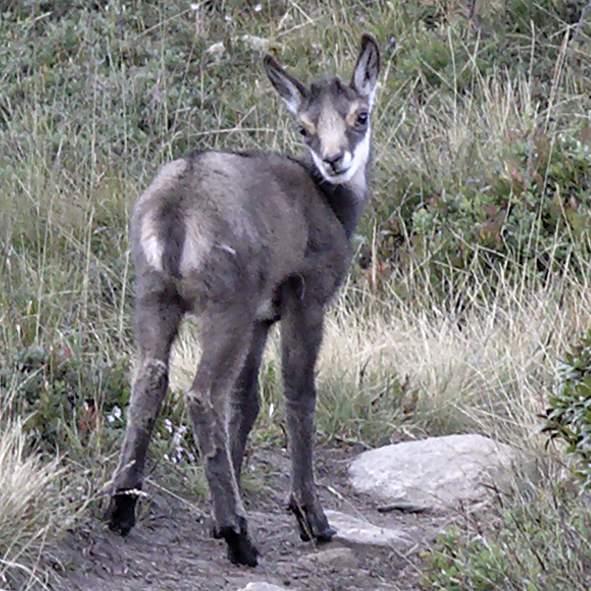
(325, 536)
(121, 512)
(241, 550)
(311, 527)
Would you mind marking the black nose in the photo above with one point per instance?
(334, 161)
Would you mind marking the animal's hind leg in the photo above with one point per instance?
(157, 318)
(245, 396)
(225, 338)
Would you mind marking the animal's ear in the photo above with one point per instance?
(292, 91)
(367, 68)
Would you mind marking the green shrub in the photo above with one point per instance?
(458, 563)
(65, 397)
(533, 538)
(488, 171)
(568, 416)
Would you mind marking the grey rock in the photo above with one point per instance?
(433, 473)
(353, 530)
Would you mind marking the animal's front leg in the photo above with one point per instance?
(301, 334)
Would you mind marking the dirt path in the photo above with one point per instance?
(171, 548)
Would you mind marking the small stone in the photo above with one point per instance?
(262, 586)
(357, 531)
(338, 558)
(218, 47)
(216, 51)
(256, 43)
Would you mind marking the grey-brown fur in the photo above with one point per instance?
(241, 241)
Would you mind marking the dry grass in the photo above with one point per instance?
(392, 369)
(35, 507)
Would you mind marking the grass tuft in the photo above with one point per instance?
(37, 502)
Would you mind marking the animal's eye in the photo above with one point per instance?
(362, 118)
(303, 131)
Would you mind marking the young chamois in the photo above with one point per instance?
(241, 241)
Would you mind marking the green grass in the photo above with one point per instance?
(474, 248)
(534, 538)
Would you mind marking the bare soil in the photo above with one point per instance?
(171, 547)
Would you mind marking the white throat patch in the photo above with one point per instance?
(355, 173)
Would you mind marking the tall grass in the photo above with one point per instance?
(390, 369)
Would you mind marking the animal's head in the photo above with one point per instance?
(333, 117)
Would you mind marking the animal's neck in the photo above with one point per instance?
(346, 200)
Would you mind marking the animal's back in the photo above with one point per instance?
(225, 224)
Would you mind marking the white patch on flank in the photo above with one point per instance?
(151, 245)
(149, 238)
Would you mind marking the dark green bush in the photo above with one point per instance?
(568, 416)
(65, 397)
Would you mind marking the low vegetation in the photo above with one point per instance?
(470, 286)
